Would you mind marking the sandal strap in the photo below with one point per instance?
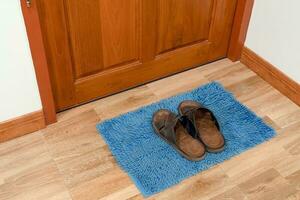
(168, 130)
(191, 114)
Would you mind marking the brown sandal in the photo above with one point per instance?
(205, 124)
(172, 129)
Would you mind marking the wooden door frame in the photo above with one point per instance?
(34, 33)
(239, 29)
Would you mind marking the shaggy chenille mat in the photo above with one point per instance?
(154, 165)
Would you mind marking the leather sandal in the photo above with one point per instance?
(205, 124)
(172, 129)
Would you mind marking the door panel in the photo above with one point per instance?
(182, 22)
(99, 47)
(102, 33)
(120, 31)
(84, 29)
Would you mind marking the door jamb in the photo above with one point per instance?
(38, 54)
(239, 29)
(34, 33)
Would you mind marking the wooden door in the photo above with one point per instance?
(99, 47)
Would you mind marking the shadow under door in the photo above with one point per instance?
(99, 47)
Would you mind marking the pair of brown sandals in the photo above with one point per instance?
(193, 132)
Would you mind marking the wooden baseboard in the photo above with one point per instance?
(22, 125)
(272, 75)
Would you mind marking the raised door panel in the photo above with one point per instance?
(182, 22)
(120, 31)
(103, 34)
(84, 29)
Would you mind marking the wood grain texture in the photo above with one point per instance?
(181, 23)
(97, 48)
(239, 29)
(223, 15)
(56, 40)
(22, 125)
(84, 25)
(120, 22)
(271, 74)
(70, 160)
(34, 35)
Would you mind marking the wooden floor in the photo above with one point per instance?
(69, 160)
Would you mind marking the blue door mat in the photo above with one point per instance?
(153, 165)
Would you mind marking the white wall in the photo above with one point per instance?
(274, 34)
(18, 88)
